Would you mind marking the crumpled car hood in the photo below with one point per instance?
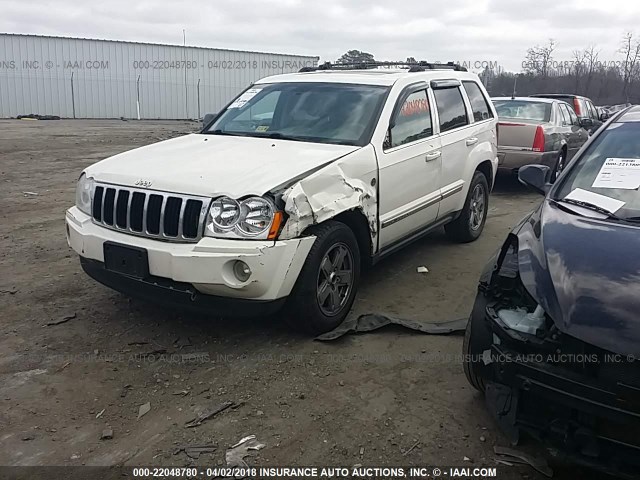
(212, 165)
(586, 274)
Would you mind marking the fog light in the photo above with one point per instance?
(241, 270)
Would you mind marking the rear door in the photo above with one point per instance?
(572, 133)
(457, 141)
(410, 161)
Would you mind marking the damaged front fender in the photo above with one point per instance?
(346, 184)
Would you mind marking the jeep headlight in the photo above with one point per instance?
(254, 218)
(83, 194)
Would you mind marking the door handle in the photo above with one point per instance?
(472, 141)
(431, 156)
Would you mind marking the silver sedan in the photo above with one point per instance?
(537, 130)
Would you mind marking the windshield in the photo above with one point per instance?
(609, 168)
(336, 113)
(523, 109)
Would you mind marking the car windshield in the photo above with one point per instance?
(610, 169)
(523, 110)
(335, 113)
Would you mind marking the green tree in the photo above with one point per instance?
(356, 56)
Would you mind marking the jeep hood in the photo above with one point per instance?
(211, 165)
(585, 273)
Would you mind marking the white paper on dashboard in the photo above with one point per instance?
(245, 97)
(608, 203)
(619, 173)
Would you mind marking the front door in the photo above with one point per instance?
(410, 163)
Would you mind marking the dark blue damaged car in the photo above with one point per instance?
(553, 341)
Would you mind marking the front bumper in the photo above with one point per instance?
(510, 160)
(205, 265)
(587, 412)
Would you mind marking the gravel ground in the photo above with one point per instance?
(392, 397)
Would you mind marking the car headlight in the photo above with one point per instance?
(83, 194)
(254, 217)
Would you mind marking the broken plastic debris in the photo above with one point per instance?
(100, 413)
(194, 451)
(107, 434)
(422, 269)
(236, 454)
(63, 319)
(30, 194)
(144, 409)
(522, 321)
(207, 414)
(373, 321)
(516, 456)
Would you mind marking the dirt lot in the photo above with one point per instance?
(392, 397)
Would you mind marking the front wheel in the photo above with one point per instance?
(328, 281)
(469, 225)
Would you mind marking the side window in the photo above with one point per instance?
(565, 117)
(413, 120)
(574, 117)
(479, 103)
(451, 109)
(592, 109)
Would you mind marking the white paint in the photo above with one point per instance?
(623, 173)
(608, 203)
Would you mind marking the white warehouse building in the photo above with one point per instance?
(84, 78)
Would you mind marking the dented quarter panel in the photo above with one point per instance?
(343, 185)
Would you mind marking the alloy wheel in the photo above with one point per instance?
(335, 279)
(476, 206)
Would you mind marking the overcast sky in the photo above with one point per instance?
(459, 30)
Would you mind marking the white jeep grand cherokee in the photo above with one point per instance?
(290, 190)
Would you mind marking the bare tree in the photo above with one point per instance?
(539, 59)
(578, 67)
(630, 49)
(591, 62)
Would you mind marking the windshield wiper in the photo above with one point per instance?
(280, 136)
(222, 132)
(592, 206)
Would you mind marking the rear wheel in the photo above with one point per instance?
(328, 281)
(560, 164)
(469, 225)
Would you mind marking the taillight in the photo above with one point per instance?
(538, 140)
(576, 106)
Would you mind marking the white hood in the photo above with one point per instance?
(212, 165)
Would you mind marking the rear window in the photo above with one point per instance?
(523, 109)
(478, 101)
(451, 109)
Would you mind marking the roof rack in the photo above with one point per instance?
(421, 66)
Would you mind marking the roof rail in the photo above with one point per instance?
(421, 66)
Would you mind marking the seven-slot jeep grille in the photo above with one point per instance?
(166, 216)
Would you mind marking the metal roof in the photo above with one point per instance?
(156, 44)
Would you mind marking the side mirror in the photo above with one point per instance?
(536, 177)
(586, 123)
(603, 116)
(207, 119)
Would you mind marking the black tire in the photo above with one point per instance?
(561, 162)
(305, 311)
(462, 229)
(477, 339)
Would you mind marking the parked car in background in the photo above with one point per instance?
(553, 341)
(584, 108)
(285, 194)
(537, 130)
